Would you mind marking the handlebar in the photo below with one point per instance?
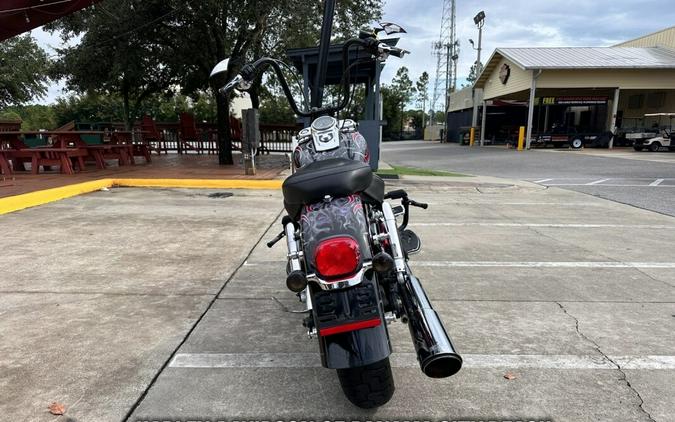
(244, 79)
(392, 51)
(418, 204)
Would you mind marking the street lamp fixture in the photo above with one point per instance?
(479, 18)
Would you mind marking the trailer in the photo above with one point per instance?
(559, 137)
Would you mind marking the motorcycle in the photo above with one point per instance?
(347, 254)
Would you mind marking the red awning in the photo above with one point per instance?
(18, 16)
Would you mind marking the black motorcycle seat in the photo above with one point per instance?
(336, 177)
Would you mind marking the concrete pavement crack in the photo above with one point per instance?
(187, 335)
(596, 346)
(651, 277)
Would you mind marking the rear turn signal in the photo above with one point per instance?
(337, 257)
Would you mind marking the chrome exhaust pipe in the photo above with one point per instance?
(435, 352)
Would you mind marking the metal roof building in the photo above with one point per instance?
(591, 57)
(616, 76)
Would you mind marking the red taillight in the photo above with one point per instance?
(337, 257)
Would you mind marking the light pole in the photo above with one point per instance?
(479, 20)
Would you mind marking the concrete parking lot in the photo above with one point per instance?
(98, 290)
(641, 179)
(167, 312)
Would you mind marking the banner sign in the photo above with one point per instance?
(572, 100)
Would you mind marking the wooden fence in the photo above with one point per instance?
(274, 137)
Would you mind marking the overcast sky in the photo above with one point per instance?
(509, 23)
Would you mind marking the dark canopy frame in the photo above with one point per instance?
(306, 61)
(19, 16)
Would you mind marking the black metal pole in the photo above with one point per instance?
(324, 44)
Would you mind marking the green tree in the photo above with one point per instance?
(117, 54)
(474, 72)
(204, 107)
(414, 116)
(23, 71)
(88, 107)
(422, 87)
(10, 115)
(395, 97)
(34, 117)
(143, 47)
(213, 30)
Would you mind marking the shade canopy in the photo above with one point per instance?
(363, 73)
(18, 16)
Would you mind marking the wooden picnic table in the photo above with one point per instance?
(47, 157)
(68, 135)
(59, 153)
(138, 146)
(123, 146)
(52, 132)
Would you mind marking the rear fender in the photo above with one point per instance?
(339, 314)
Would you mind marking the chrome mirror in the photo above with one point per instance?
(392, 28)
(220, 68)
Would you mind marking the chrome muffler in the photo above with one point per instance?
(436, 354)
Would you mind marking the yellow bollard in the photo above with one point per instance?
(521, 138)
(472, 136)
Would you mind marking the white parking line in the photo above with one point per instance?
(557, 204)
(553, 225)
(515, 264)
(542, 180)
(597, 182)
(611, 185)
(551, 264)
(656, 182)
(409, 360)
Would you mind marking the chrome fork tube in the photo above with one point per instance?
(293, 251)
(392, 231)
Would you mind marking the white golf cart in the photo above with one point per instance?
(665, 139)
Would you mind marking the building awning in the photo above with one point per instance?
(581, 58)
(18, 16)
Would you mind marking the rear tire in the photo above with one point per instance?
(368, 386)
(655, 146)
(637, 148)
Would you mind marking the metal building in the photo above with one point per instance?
(592, 88)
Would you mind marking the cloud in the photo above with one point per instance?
(520, 23)
(509, 23)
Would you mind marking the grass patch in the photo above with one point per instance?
(411, 171)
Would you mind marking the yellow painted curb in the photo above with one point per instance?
(200, 183)
(41, 197)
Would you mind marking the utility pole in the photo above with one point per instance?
(445, 50)
(424, 105)
(479, 20)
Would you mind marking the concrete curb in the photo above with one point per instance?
(41, 197)
(471, 181)
(467, 179)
